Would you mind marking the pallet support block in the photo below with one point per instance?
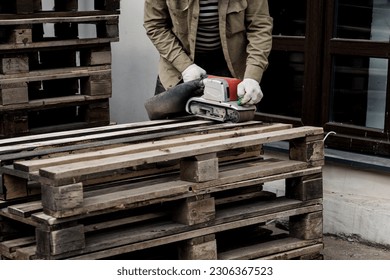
(56, 200)
(195, 210)
(14, 65)
(21, 35)
(200, 168)
(93, 57)
(56, 242)
(309, 149)
(200, 248)
(305, 188)
(307, 226)
(69, 5)
(107, 29)
(14, 93)
(13, 123)
(13, 187)
(98, 85)
(108, 5)
(98, 113)
(18, 6)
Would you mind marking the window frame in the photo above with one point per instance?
(319, 48)
(350, 137)
(312, 48)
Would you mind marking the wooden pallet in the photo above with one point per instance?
(55, 65)
(58, 114)
(33, 6)
(54, 93)
(197, 229)
(184, 182)
(23, 23)
(33, 78)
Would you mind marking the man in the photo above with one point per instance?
(219, 37)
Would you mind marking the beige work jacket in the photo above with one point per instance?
(245, 30)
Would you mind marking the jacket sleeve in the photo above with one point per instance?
(158, 26)
(259, 34)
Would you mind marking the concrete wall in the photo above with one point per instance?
(356, 201)
(134, 65)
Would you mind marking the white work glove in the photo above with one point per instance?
(249, 92)
(193, 72)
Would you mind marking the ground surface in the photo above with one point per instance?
(337, 248)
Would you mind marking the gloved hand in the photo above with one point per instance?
(249, 92)
(193, 72)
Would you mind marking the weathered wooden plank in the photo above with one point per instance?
(176, 192)
(124, 221)
(12, 143)
(9, 247)
(255, 194)
(57, 18)
(26, 253)
(147, 193)
(55, 74)
(63, 139)
(75, 171)
(25, 209)
(147, 237)
(265, 249)
(34, 165)
(17, 220)
(59, 43)
(292, 254)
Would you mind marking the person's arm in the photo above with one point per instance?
(259, 34)
(158, 26)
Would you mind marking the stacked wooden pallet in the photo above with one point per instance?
(55, 65)
(181, 189)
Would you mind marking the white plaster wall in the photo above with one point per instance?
(134, 66)
(356, 201)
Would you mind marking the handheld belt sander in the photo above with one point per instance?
(212, 98)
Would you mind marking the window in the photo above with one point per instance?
(330, 67)
(356, 75)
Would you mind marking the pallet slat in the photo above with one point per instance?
(76, 170)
